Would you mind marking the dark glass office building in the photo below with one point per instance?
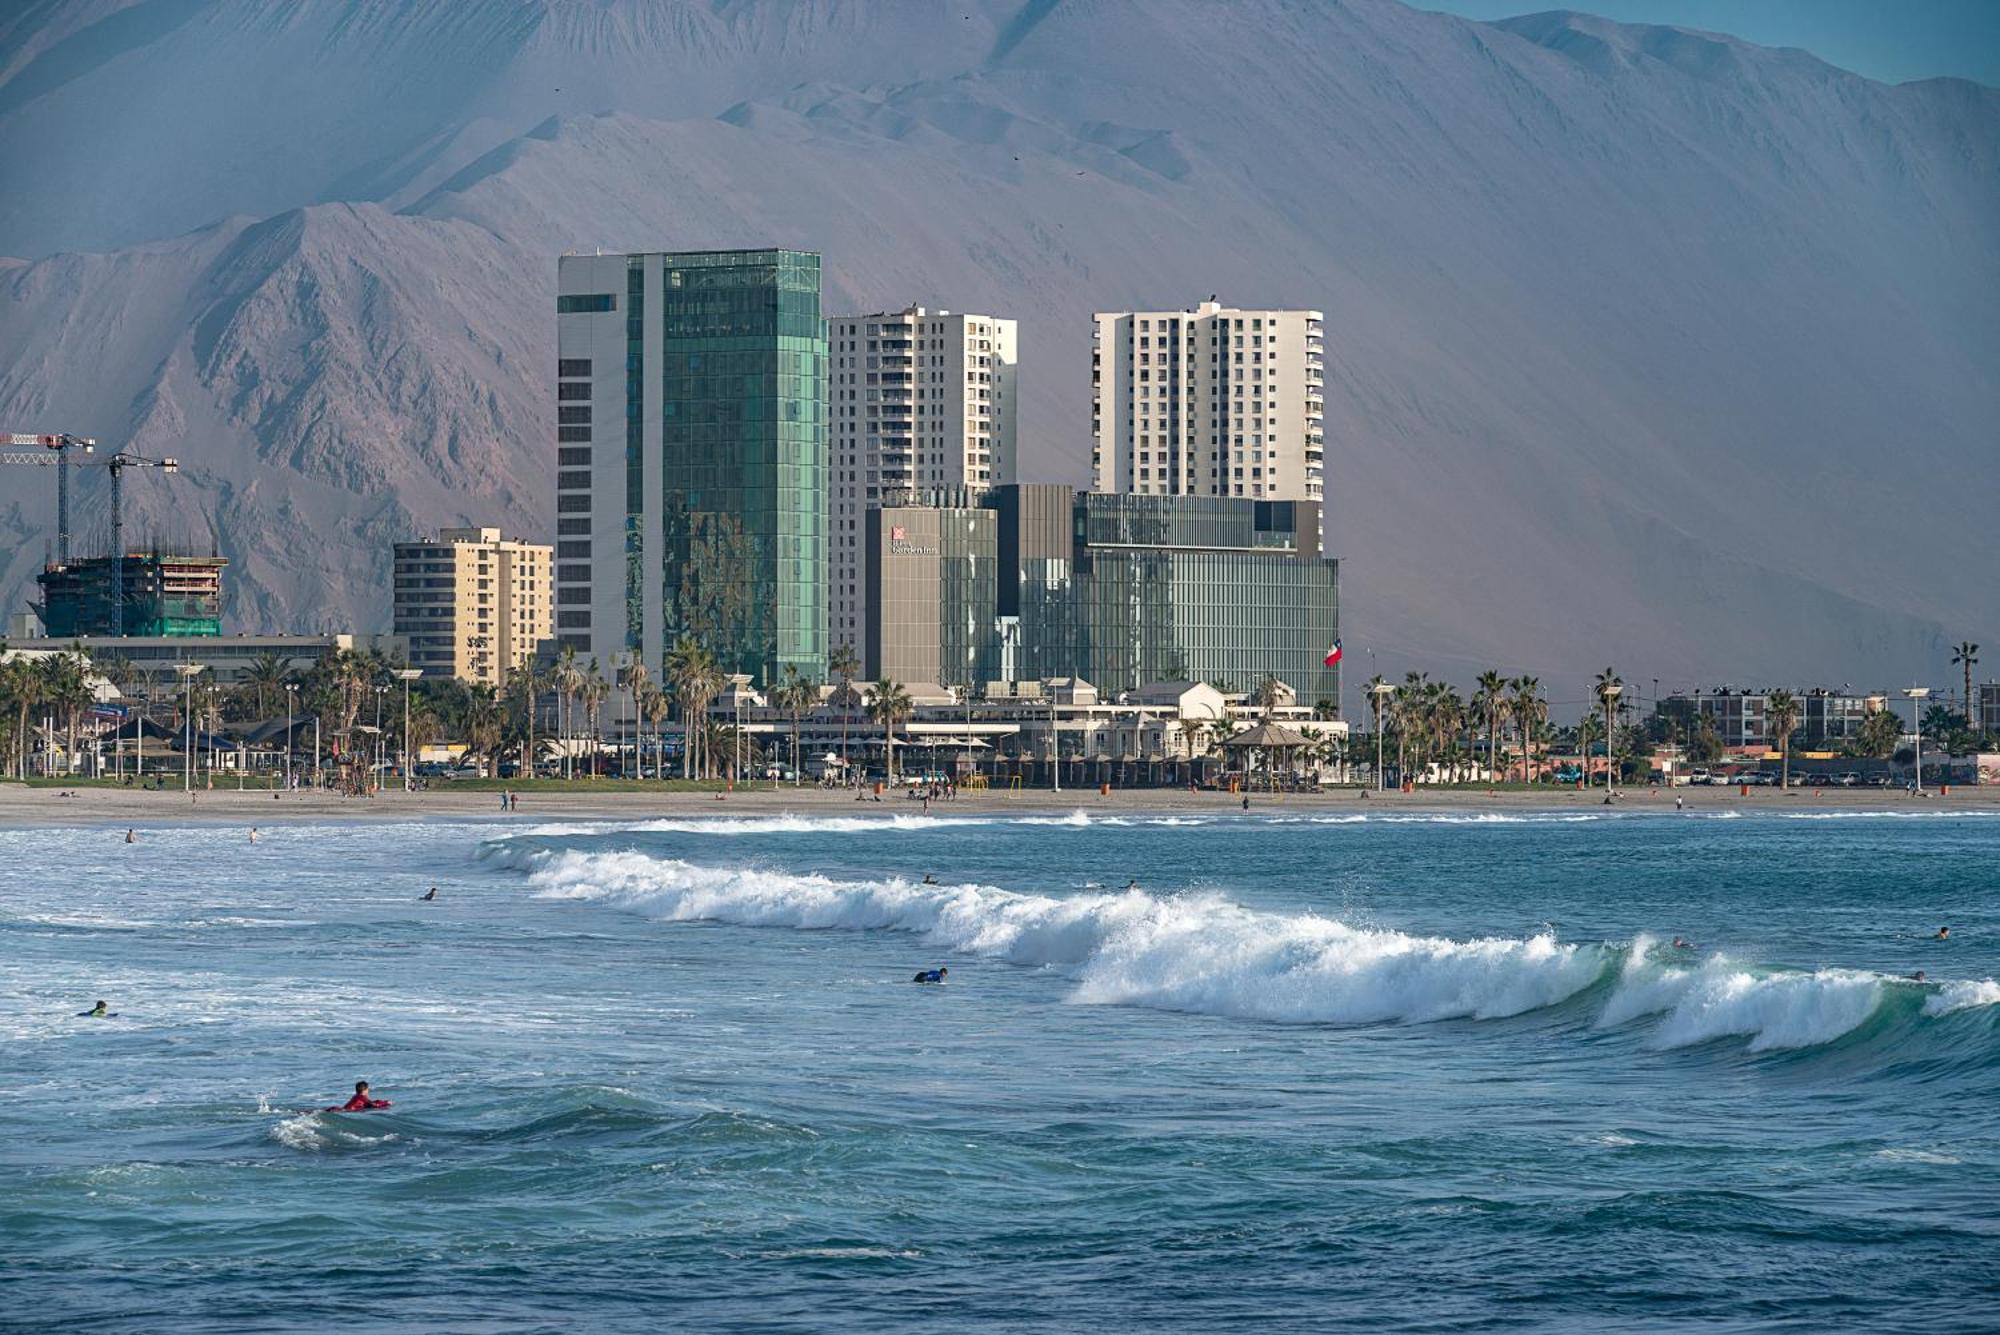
(1121, 590)
(692, 458)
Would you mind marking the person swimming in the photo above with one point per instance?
(1132, 885)
(253, 834)
(1682, 943)
(1916, 977)
(930, 879)
(361, 1102)
(101, 1011)
(930, 975)
(131, 836)
(429, 894)
(1943, 934)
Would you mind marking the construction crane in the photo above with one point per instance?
(57, 446)
(118, 463)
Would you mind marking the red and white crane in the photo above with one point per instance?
(53, 447)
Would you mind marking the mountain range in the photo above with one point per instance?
(1644, 346)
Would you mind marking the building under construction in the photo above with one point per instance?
(138, 593)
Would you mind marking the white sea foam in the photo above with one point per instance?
(1193, 953)
(1963, 996)
(313, 1133)
(1717, 998)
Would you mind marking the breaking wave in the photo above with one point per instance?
(1208, 955)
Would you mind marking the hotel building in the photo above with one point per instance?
(691, 453)
(1209, 401)
(471, 605)
(1038, 581)
(921, 399)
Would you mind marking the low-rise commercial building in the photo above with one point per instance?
(1741, 718)
(471, 605)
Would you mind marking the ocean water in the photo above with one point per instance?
(1396, 1073)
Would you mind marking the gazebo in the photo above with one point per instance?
(1270, 738)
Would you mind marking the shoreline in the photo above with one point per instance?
(40, 808)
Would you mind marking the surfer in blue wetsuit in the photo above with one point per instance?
(930, 976)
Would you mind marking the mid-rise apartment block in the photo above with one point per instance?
(921, 399)
(1209, 401)
(473, 605)
(691, 459)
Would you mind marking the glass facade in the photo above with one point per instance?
(1120, 590)
(743, 459)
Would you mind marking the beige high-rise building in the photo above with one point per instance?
(1209, 401)
(920, 399)
(471, 605)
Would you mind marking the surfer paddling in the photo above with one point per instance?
(361, 1102)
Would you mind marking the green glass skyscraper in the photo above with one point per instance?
(692, 458)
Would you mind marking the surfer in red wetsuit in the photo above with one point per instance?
(360, 1102)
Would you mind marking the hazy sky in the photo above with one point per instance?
(1891, 40)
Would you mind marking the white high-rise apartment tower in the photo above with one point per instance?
(1209, 401)
(921, 400)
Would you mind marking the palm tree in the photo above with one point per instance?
(68, 681)
(1608, 688)
(1781, 715)
(794, 696)
(1530, 713)
(263, 674)
(567, 679)
(484, 718)
(26, 688)
(1965, 655)
(844, 664)
(888, 705)
(591, 691)
(696, 681)
(525, 686)
(654, 706)
(1490, 701)
(1266, 694)
(637, 681)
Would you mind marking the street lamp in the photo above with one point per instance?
(1381, 690)
(406, 676)
(1914, 694)
(291, 699)
(188, 671)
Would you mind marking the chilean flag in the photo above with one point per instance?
(1333, 654)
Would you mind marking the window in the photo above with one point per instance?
(567, 434)
(573, 390)
(574, 620)
(576, 481)
(573, 502)
(590, 303)
(573, 366)
(573, 551)
(573, 574)
(573, 458)
(573, 416)
(567, 527)
(573, 595)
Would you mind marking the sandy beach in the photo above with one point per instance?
(26, 806)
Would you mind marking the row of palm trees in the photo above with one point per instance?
(1433, 725)
(57, 684)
